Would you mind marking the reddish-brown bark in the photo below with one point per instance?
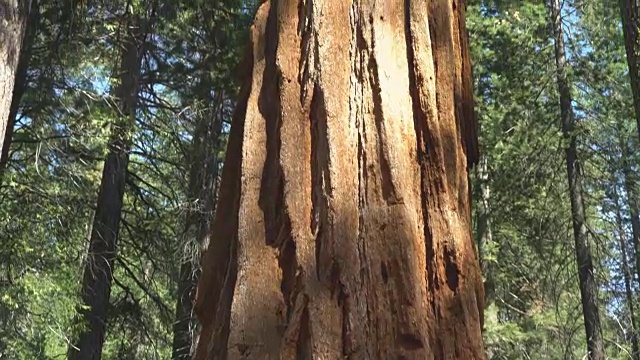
(343, 225)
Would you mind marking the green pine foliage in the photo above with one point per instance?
(534, 311)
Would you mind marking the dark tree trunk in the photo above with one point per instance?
(98, 271)
(629, 183)
(346, 225)
(626, 270)
(629, 178)
(13, 21)
(20, 84)
(202, 191)
(630, 22)
(588, 286)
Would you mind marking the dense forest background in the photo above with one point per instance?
(66, 115)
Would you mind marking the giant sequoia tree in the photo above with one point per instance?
(343, 228)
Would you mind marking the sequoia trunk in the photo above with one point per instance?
(588, 287)
(13, 20)
(98, 271)
(346, 225)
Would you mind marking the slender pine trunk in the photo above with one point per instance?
(588, 286)
(98, 271)
(626, 270)
(629, 178)
(630, 22)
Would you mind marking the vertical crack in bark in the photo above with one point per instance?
(321, 182)
(289, 265)
(258, 291)
(304, 345)
(308, 42)
(389, 191)
(426, 150)
(357, 112)
(268, 104)
(277, 222)
(384, 272)
(297, 335)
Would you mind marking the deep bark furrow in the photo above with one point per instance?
(467, 117)
(440, 24)
(364, 347)
(439, 132)
(334, 71)
(295, 153)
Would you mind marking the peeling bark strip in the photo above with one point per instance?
(344, 222)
